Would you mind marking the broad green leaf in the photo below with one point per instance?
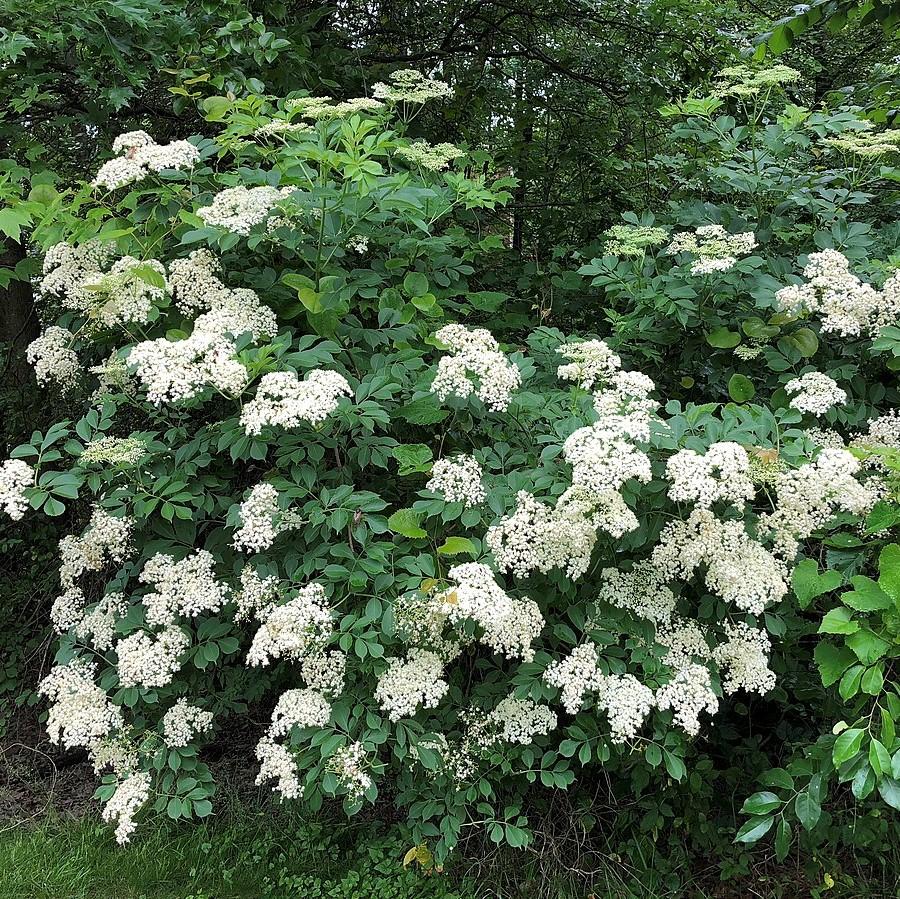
(838, 621)
(889, 571)
(740, 388)
(760, 803)
(406, 523)
(754, 829)
(808, 583)
(866, 595)
(868, 646)
(847, 745)
(722, 338)
(455, 546)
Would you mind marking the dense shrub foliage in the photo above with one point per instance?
(453, 567)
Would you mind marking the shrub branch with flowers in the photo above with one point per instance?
(448, 568)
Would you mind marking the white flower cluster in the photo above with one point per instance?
(106, 539)
(125, 294)
(716, 250)
(238, 209)
(688, 694)
(350, 765)
(316, 108)
(738, 568)
(640, 591)
(357, 243)
(141, 155)
(459, 480)
(627, 703)
(283, 400)
(186, 588)
(68, 268)
(846, 305)
(521, 720)
(474, 350)
(257, 596)
(325, 671)
(124, 451)
(298, 708)
(194, 281)
(684, 642)
(410, 683)
(537, 537)
(16, 477)
(410, 86)
(183, 722)
(178, 370)
(294, 629)
(434, 157)
(815, 393)
(151, 660)
(575, 676)
(744, 659)
(131, 795)
(81, 713)
(720, 475)
(277, 763)
(259, 520)
(807, 498)
(510, 625)
(98, 626)
(592, 362)
(53, 358)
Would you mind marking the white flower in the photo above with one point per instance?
(738, 568)
(684, 641)
(510, 625)
(277, 763)
(257, 596)
(521, 720)
(80, 713)
(349, 763)
(130, 796)
(299, 708)
(575, 676)
(106, 539)
(459, 480)
(194, 281)
(125, 451)
(815, 392)
(688, 694)
(474, 350)
(721, 475)
(53, 358)
(639, 591)
(410, 86)
(592, 361)
(183, 722)
(627, 702)
(410, 683)
(325, 672)
(142, 156)
(294, 629)
(98, 626)
(808, 497)
(238, 209)
(185, 588)
(744, 659)
(146, 660)
(259, 514)
(283, 400)
(716, 250)
(16, 477)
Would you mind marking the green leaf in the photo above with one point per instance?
(866, 595)
(847, 745)
(777, 777)
(216, 108)
(808, 583)
(755, 327)
(754, 829)
(889, 790)
(889, 571)
(839, 621)
(12, 221)
(415, 284)
(849, 685)
(455, 546)
(868, 646)
(740, 388)
(805, 341)
(808, 809)
(424, 411)
(760, 803)
(879, 758)
(782, 839)
(722, 338)
(406, 523)
(412, 458)
(873, 681)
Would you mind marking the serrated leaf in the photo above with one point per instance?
(406, 523)
(455, 546)
(839, 621)
(866, 595)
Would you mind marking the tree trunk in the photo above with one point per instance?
(18, 322)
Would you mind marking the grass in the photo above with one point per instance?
(253, 854)
(266, 852)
